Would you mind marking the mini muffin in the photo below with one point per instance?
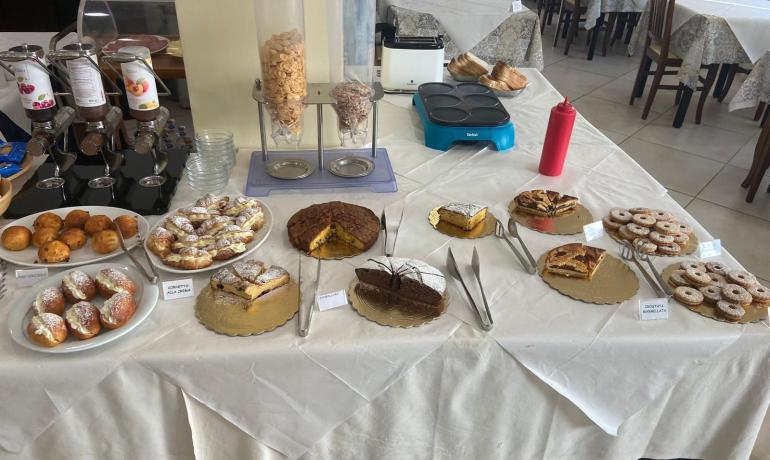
(96, 224)
(47, 330)
(16, 238)
(53, 252)
(76, 218)
(105, 241)
(83, 320)
(48, 219)
(78, 286)
(43, 235)
(49, 300)
(128, 225)
(117, 310)
(73, 237)
(110, 281)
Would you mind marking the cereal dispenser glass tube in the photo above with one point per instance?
(351, 60)
(281, 35)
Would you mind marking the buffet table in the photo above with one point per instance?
(555, 378)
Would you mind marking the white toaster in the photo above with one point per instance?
(408, 62)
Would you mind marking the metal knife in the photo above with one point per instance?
(306, 316)
(476, 264)
(455, 272)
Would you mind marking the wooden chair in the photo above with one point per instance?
(657, 49)
(546, 9)
(570, 17)
(759, 165)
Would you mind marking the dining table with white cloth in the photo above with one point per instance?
(555, 377)
(595, 9)
(755, 89)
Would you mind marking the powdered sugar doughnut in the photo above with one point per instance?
(741, 278)
(626, 234)
(717, 279)
(716, 267)
(684, 228)
(637, 230)
(697, 277)
(645, 246)
(667, 228)
(736, 294)
(678, 279)
(760, 294)
(711, 294)
(672, 249)
(620, 215)
(730, 311)
(640, 211)
(645, 220)
(681, 239)
(610, 224)
(692, 264)
(688, 296)
(660, 214)
(659, 238)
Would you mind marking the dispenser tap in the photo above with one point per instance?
(99, 139)
(148, 135)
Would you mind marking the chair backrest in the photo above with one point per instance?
(659, 27)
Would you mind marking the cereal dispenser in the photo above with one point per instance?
(281, 35)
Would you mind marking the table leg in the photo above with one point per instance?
(595, 36)
(684, 103)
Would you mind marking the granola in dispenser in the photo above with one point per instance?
(352, 102)
(283, 75)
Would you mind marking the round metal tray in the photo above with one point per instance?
(289, 168)
(351, 166)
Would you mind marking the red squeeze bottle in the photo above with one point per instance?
(557, 138)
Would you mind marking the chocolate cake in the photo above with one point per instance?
(311, 227)
(384, 279)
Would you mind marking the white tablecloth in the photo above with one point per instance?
(556, 378)
(595, 8)
(756, 87)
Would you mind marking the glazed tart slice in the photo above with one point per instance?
(574, 260)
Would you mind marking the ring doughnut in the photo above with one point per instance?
(678, 279)
(645, 220)
(688, 296)
(610, 224)
(640, 211)
(692, 264)
(659, 238)
(730, 311)
(667, 228)
(637, 230)
(645, 246)
(711, 294)
(760, 294)
(682, 239)
(684, 228)
(672, 249)
(716, 267)
(736, 294)
(626, 234)
(697, 277)
(660, 214)
(741, 278)
(620, 215)
(717, 279)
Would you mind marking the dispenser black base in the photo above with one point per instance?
(126, 193)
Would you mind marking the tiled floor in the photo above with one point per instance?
(701, 165)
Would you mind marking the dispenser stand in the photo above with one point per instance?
(381, 179)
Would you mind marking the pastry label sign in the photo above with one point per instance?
(31, 277)
(593, 231)
(178, 289)
(711, 248)
(653, 309)
(332, 300)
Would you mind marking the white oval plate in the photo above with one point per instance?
(82, 256)
(20, 312)
(259, 238)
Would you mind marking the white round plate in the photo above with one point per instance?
(82, 256)
(20, 312)
(259, 238)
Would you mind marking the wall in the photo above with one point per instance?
(219, 38)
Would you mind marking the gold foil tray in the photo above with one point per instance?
(568, 224)
(332, 250)
(231, 315)
(754, 312)
(689, 248)
(612, 283)
(484, 228)
(391, 314)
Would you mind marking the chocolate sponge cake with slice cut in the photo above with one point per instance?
(313, 226)
(383, 278)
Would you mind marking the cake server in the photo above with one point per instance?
(476, 264)
(500, 233)
(392, 234)
(451, 264)
(151, 278)
(514, 230)
(663, 284)
(627, 252)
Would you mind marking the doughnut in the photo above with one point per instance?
(620, 215)
(730, 311)
(684, 228)
(697, 277)
(96, 224)
(741, 278)
(49, 300)
(678, 279)
(180, 226)
(692, 264)
(16, 238)
(661, 215)
(189, 259)
(645, 246)
(717, 279)
(83, 320)
(44, 235)
(47, 330)
(53, 252)
(681, 239)
(76, 218)
(160, 241)
(213, 225)
(637, 230)
(659, 238)
(117, 310)
(688, 296)
(610, 224)
(110, 281)
(760, 294)
(73, 237)
(716, 267)
(77, 286)
(640, 211)
(736, 294)
(128, 225)
(626, 234)
(669, 249)
(711, 294)
(48, 219)
(667, 228)
(645, 220)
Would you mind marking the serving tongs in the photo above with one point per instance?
(390, 243)
(451, 263)
(646, 258)
(306, 309)
(152, 278)
(513, 229)
(500, 233)
(628, 252)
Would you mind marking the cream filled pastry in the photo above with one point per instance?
(110, 281)
(77, 286)
(83, 320)
(47, 329)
